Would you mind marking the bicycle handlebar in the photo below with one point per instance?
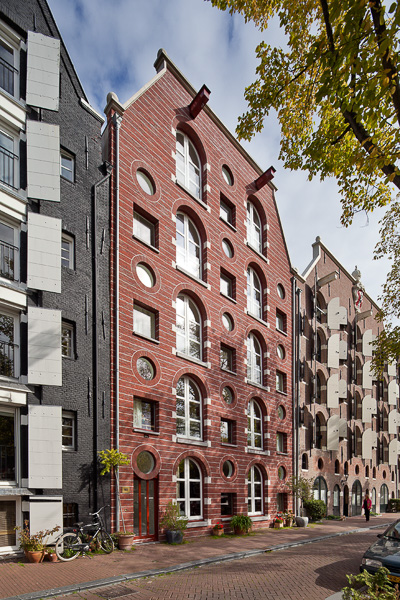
(98, 512)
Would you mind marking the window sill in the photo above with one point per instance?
(193, 277)
(189, 441)
(255, 451)
(282, 453)
(145, 337)
(68, 449)
(229, 224)
(281, 331)
(228, 371)
(229, 445)
(259, 518)
(257, 319)
(228, 297)
(257, 385)
(193, 360)
(184, 188)
(145, 431)
(282, 393)
(258, 252)
(135, 237)
(197, 524)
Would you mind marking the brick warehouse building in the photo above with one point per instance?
(348, 422)
(54, 309)
(201, 301)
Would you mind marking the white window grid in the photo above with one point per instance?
(254, 426)
(188, 245)
(188, 481)
(254, 360)
(254, 232)
(188, 327)
(188, 409)
(188, 171)
(254, 296)
(255, 491)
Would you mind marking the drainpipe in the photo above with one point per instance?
(95, 344)
(296, 311)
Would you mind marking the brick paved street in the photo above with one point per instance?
(310, 572)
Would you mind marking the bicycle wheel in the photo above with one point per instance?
(105, 541)
(68, 546)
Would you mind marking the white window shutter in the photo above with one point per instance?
(44, 346)
(394, 451)
(342, 428)
(46, 512)
(367, 376)
(369, 441)
(43, 71)
(337, 315)
(44, 253)
(367, 340)
(44, 447)
(333, 351)
(333, 433)
(368, 409)
(391, 369)
(343, 389)
(342, 350)
(393, 393)
(43, 160)
(394, 422)
(332, 392)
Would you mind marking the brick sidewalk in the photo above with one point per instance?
(18, 578)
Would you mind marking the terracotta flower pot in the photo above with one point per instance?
(218, 532)
(240, 531)
(125, 541)
(278, 524)
(34, 556)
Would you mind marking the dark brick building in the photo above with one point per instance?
(201, 307)
(54, 284)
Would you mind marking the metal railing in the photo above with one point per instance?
(7, 159)
(7, 261)
(7, 76)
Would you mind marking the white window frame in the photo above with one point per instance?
(141, 225)
(252, 491)
(9, 38)
(228, 425)
(65, 326)
(68, 414)
(188, 250)
(15, 343)
(254, 360)
(280, 382)
(188, 318)
(227, 282)
(186, 499)
(147, 331)
(186, 419)
(16, 250)
(254, 293)
(67, 172)
(67, 251)
(254, 228)
(186, 167)
(280, 317)
(227, 356)
(280, 442)
(254, 416)
(138, 414)
(14, 182)
(6, 410)
(226, 212)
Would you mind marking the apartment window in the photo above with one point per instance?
(227, 358)
(8, 442)
(254, 425)
(188, 327)
(226, 285)
(254, 360)
(254, 297)
(67, 165)
(70, 514)
(188, 245)
(67, 340)
(254, 233)
(188, 409)
(8, 348)
(145, 182)
(68, 430)
(144, 229)
(189, 489)
(67, 251)
(280, 442)
(227, 211)
(281, 321)
(145, 368)
(254, 491)
(144, 414)
(144, 321)
(227, 432)
(8, 72)
(8, 159)
(188, 167)
(280, 382)
(9, 252)
(227, 175)
(227, 504)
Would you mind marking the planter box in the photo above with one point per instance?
(125, 542)
(301, 521)
(174, 537)
(278, 525)
(218, 532)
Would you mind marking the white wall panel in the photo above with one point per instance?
(369, 441)
(333, 351)
(44, 346)
(367, 340)
(343, 389)
(393, 393)
(44, 252)
(392, 367)
(367, 376)
(394, 451)
(342, 428)
(43, 71)
(44, 447)
(337, 315)
(333, 433)
(43, 161)
(343, 348)
(368, 409)
(46, 512)
(394, 422)
(332, 391)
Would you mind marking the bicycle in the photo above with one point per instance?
(69, 545)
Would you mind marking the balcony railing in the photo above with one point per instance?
(7, 160)
(7, 76)
(7, 362)
(8, 255)
(7, 463)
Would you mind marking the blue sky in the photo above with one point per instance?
(113, 47)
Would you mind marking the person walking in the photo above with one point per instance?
(367, 505)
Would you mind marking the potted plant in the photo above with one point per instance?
(33, 544)
(218, 529)
(50, 555)
(112, 460)
(174, 523)
(241, 524)
(278, 521)
(301, 488)
(289, 517)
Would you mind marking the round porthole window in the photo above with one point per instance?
(228, 469)
(281, 473)
(227, 175)
(281, 291)
(280, 350)
(320, 464)
(227, 395)
(281, 412)
(145, 368)
(227, 321)
(145, 182)
(227, 248)
(145, 275)
(145, 462)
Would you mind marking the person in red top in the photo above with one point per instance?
(367, 505)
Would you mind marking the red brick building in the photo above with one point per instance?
(202, 300)
(348, 422)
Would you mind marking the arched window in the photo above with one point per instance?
(367, 471)
(254, 360)
(188, 409)
(304, 462)
(188, 245)
(189, 489)
(188, 327)
(255, 492)
(254, 295)
(318, 433)
(337, 467)
(356, 499)
(318, 386)
(254, 233)
(373, 499)
(384, 498)
(346, 468)
(319, 348)
(254, 425)
(188, 166)
(320, 489)
(336, 500)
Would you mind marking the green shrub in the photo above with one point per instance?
(394, 505)
(373, 587)
(242, 522)
(172, 518)
(316, 509)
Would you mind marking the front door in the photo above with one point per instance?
(145, 508)
(346, 501)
